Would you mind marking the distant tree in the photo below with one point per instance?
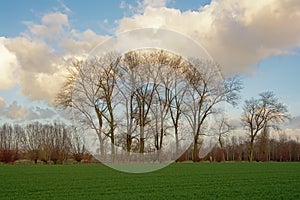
(224, 128)
(9, 142)
(298, 148)
(46, 146)
(77, 148)
(263, 145)
(31, 141)
(261, 113)
(59, 142)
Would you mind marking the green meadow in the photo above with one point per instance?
(177, 181)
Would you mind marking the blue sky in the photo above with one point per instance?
(84, 14)
(262, 48)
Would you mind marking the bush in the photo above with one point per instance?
(8, 156)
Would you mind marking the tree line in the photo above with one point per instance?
(50, 142)
(266, 148)
(56, 142)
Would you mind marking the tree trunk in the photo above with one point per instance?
(101, 146)
(112, 145)
(142, 140)
(128, 142)
(128, 146)
(142, 129)
(222, 149)
(176, 141)
(195, 149)
(251, 149)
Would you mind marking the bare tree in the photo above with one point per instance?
(89, 90)
(59, 138)
(31, 141)
(146, 89)
(157, 85)
(208, 90)
(76, 145)
(261, 113)
(263, 144)
(224, 128)
(9, 143)
(127, 81)
(46, 147)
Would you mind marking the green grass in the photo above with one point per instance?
(177, 181)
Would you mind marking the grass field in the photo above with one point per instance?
(177, 181)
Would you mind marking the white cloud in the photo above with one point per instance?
(237, 33)
(52, 26)
(81, 43)
(9, 66)
(152, 3)
(41, 52)
(33, 55)
(40, 68)
(64, 7)
(17, 112)
(38, 113)
(2, 102)
(139, 6)
(123, 5)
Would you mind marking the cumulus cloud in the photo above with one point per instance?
(51, 27)
(81, 43)
(15, 111)
(38, 113)
(9, 66)
(2, 102)
(236, 33)
(36, 60)
(40, 68)
(18, 112)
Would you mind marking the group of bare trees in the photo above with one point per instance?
(147, 101)
(260, 117)
(156, 101)
(265, 148)
(40, 142)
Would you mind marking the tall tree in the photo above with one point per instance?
(89, 90)
(149, 83)
(208, 90)
(259, 114)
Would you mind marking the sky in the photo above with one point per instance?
(258, 40)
